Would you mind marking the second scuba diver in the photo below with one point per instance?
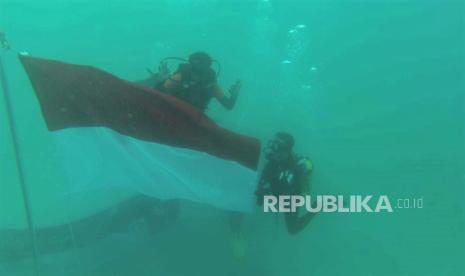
(285, 173)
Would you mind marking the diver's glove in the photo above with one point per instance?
(234, 90)
(306, 165)
(162, 74)
(163, 71)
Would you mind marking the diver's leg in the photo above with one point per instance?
(236, 221)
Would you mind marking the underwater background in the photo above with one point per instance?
(373, 92)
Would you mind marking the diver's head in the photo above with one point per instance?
(280, 147)
(200, 61)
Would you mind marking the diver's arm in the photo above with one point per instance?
(156, 79)
(227, 102)
(173, 82)
(152, 82)
(294, 222)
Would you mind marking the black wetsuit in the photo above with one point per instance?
(285, 178)
(196, 86)
(282, 177)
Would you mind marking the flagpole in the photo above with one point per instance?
(17, 152)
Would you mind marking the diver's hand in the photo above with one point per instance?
(163, 70)
(235, 88)
(306, 184)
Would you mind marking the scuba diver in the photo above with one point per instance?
(285, 173)
(194, 82)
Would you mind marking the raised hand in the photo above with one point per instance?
(235, 88)
(163, 70)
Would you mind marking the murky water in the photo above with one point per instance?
(373, 92)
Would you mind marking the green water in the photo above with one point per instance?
(373, 92)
